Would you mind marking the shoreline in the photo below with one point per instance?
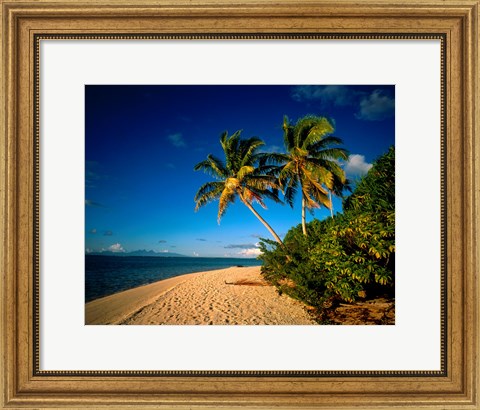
(115, 307)
(235, 295)
(185, 270)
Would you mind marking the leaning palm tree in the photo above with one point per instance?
(241, 175)
(310, 163)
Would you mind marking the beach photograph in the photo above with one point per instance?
(240, 204)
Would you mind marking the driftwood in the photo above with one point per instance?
(246, 282)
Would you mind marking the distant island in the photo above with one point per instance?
(140, 252)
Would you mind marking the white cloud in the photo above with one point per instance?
(177, 140)
(356, 165)
(338, 95)
(250, 252)
(116, 247)
(376, 107)
(247, 249)
(241, 246)
(196, 254)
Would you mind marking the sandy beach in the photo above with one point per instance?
(233, 296)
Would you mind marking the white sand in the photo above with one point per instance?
(221, 297)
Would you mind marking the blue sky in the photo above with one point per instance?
(142, 143)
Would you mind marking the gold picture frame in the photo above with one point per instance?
(25, 23)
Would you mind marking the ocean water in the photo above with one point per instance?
(105, 275)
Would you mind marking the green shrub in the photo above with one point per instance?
(346, 257)
(376, 191)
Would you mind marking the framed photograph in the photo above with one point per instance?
(214, 205)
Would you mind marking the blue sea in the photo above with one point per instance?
(105, 275)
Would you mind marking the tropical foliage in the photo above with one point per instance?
(376, 192)
(310, 163)
(351, 256)
(344, 258)
(243, 174)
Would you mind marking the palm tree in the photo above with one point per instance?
(310, 163)
(239, 176)
(337, 190)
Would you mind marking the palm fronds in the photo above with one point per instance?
(245, 173)
(311, 162)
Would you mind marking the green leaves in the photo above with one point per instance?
(342, 257)
(316, 129)
(310, 162)
(208, 192)
(212, 166)
(245, 173)
(346, 257)
(227, 196)
(376, 190)
(350, 256)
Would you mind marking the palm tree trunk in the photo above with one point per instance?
(263, 221)
(304, 223)
(331, 203)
